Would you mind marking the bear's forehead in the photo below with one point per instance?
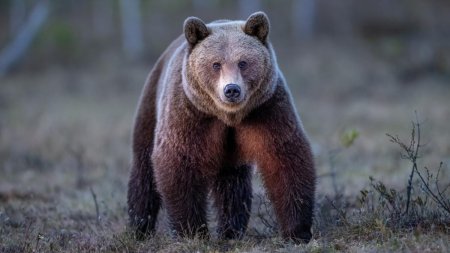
(227, 29)
(229, 45)
(225, 34)
(226, 25)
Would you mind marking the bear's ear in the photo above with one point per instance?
(195, 30)
(258, 25)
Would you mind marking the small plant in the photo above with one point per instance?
(389, 198)
(347, 139)
(410, 152)
(423, 203)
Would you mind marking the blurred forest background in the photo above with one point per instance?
(71, 72)
(413, 33)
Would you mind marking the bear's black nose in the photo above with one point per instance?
(232, 91)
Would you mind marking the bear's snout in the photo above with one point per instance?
(232, 92)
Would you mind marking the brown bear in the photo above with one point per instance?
(214, 106)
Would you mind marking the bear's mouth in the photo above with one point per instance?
(231, 105)
(233, 101)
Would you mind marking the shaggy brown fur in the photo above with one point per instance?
(189, 140)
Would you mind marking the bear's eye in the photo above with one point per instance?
(216, 66)
(242, 64)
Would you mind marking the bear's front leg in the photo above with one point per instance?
(232, 192)
(273, 138)
(289, 179)
(184, 192)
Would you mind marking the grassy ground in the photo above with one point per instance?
(65, 150)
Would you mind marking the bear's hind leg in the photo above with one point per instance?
(144, 201)
(232, 192)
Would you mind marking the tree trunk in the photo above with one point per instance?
(303, 18)
(13, 52)
(103, 18)
(132, 37)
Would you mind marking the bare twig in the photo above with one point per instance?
(332, 160)
(436, 196)
(97, 212)
(39, 237)
(412, 154)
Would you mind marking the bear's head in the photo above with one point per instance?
(229, 68)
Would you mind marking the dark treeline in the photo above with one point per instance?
(78, 30)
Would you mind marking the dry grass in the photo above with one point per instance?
(64, 138)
